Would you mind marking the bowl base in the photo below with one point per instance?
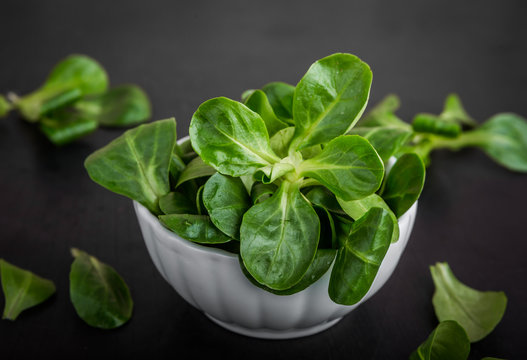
(274, 334)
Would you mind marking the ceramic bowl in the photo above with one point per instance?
(211, 280)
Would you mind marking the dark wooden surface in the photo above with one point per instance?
(471, 214)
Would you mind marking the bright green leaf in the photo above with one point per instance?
(447, 342)
(386, 140)
(136, 164)
(348, 166)
(431, 124)
(258, 103)
(195, 169)
(62, 126)
(280, 97)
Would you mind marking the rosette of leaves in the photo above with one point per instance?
(75, 99)
(275, 179)
(503, 137)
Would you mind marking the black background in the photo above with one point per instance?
(471, 213)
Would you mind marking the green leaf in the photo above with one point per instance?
(279, 238)
(477, 311)
(431, 124)
(226, 200)
(386, 140)
(62, 126)
(123, 105)
(136, 164)
(230, 137)
(280, 97)
(330, 99)
(99, 295)
(176, 167)
(261, 192)
(258, 103)
(357, 208)
(404, 183)
(383, 114)
(328, 234)
(504, 139)
(360, 256)
(202, 210)
(320, 265)
(321, 196)
(447, 342)
(195, 169)
(22, 289)
(348, 166)
(196, 228)
(455, 112)
(5, 106)
(177, 203)
(280, 141)
(70, 79)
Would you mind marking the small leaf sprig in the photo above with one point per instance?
(76, 99)
(277, 179)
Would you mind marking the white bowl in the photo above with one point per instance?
(211, 280)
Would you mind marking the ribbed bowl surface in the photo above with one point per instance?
(212, 281)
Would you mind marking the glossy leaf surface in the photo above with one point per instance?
(404, 183)
(226, 200)
(280, 97)
(360, 256)
(261, 192)
(348, 166)
(258, 103)
(99, 295)
(448, 341)
(320, 265)
(279, 238)
(196, 228)
(230, 137)
(477, 311)
(73, 77)
(177, 203)
(357, 208)
(281, 140)
(196, 168)
(123, 105)
(329, 99)
(136, 164)
(22, 289)
(321, 196)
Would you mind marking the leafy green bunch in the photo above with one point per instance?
(503, 137)
(277, 179)
(75, 99)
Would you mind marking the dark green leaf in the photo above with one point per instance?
(70, 79)
(62, 126)
(348, 166)
(330, 99)
(321, 196)
(258, 103)
(226, 200)
(504, 139)
(177, 203)
(261, 192)
(387, 141)
(22, 289)
(136, 164)
(431, 124)
(195, 169)
(123, 105)
(360, 257)
(447, 342)
(280, 97)
(99, 295)
(279, 238)
(202, 210)
(177, 165)
(320, 265)
(404, 183)
(230, 137)
(328, 234)
(477, 311)
(196, 228)
(357, 208)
